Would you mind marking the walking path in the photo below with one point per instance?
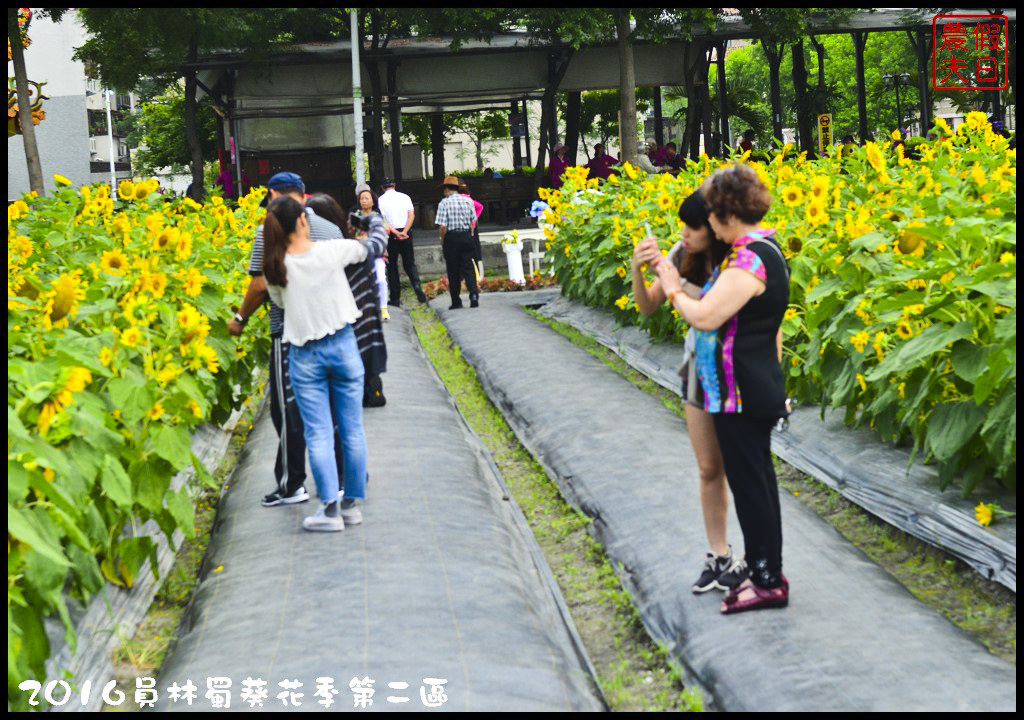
(442, 582)
(852, 637)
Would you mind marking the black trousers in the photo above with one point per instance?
(746, 452)
(290, 465)
(401, 249)
(458, 249)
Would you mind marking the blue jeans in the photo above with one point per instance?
(321, 371)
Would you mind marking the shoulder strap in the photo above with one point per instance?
(760, 238)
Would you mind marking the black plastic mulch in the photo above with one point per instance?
(852, 637)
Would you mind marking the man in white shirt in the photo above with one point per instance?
(397, 210)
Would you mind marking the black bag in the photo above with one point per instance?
(373, 392)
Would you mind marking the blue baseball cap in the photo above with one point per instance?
(286, 181)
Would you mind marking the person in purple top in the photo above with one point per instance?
(602, 164)
(558, 165)
(657, 154)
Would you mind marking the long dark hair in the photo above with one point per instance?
(328, 208)
(282, 218)
(694, 212)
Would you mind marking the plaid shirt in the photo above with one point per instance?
(456, 212)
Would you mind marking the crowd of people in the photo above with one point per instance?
(320, 268)
(323, 272)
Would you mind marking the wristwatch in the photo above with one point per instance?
(240, 320)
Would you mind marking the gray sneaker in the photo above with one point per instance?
(736, 573)
(326, 519)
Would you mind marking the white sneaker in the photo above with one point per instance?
(325, 519)
(352, 515)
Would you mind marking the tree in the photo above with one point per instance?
(16, 49)
(156, 129)
(482, 126)
(127, 45)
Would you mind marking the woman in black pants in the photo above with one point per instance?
(738, 322)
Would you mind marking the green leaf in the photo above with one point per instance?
(1003, 292)
(951, 426)
(23, 525)
(174, 444)
(180, 506)
(972, 475)
(929, 342)
(116, 483)
(131, 395)
(152, 478)
(969, 361)
(202, 474)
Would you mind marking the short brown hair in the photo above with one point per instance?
(737, 191)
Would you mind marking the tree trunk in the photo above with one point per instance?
(28, 129)
(542, 141)
(191, 131)
(860, 39)
(573, 103)
(820, 105)
(376, 124)
(437, 144)
(803, 105)
(627, 87)
(773, 51)
(478, 141)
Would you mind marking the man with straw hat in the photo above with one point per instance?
(455, 216)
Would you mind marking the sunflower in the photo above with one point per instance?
(156, 412)
(131, 337)
(166, 239)
(792, 195)
(665, 202)
(911, 242)
(156, 283)
(194, 283)
(905, 330)
(875, 157)
(126, 190)
(106, 356)
(860, 341)
(795, 245)
(20, 245)
(819, 190)
(622, 302)
(816, 214)
(114, 262)
(63, 299)
(791, 313)
(977, 121)
(61, 181)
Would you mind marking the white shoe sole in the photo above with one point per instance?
(323, 527)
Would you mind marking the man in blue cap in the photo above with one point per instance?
(290, 467)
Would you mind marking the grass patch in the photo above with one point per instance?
(983, 608)
(143, 654)
(634, 673)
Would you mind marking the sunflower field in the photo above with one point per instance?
(903, 302)
(117, 349)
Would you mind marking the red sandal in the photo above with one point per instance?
(762, 598)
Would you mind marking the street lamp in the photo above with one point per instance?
(895, 81)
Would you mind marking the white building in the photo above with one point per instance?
(73, 139)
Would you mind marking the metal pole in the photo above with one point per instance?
(357, 99)
(110, 139)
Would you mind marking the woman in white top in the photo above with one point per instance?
(307, 279)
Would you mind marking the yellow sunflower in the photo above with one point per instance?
(126, 190)
(792, 195)
(166, 239)
(905, 330)
(875, 157)
(816, 214)
(131, 337)
(63, 299)
(114, 262)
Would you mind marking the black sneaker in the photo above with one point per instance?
(733, 575)
(713, 569)
(420, 295)
(279, 498)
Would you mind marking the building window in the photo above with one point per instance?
(97, 122)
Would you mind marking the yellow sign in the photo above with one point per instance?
(824, 133)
